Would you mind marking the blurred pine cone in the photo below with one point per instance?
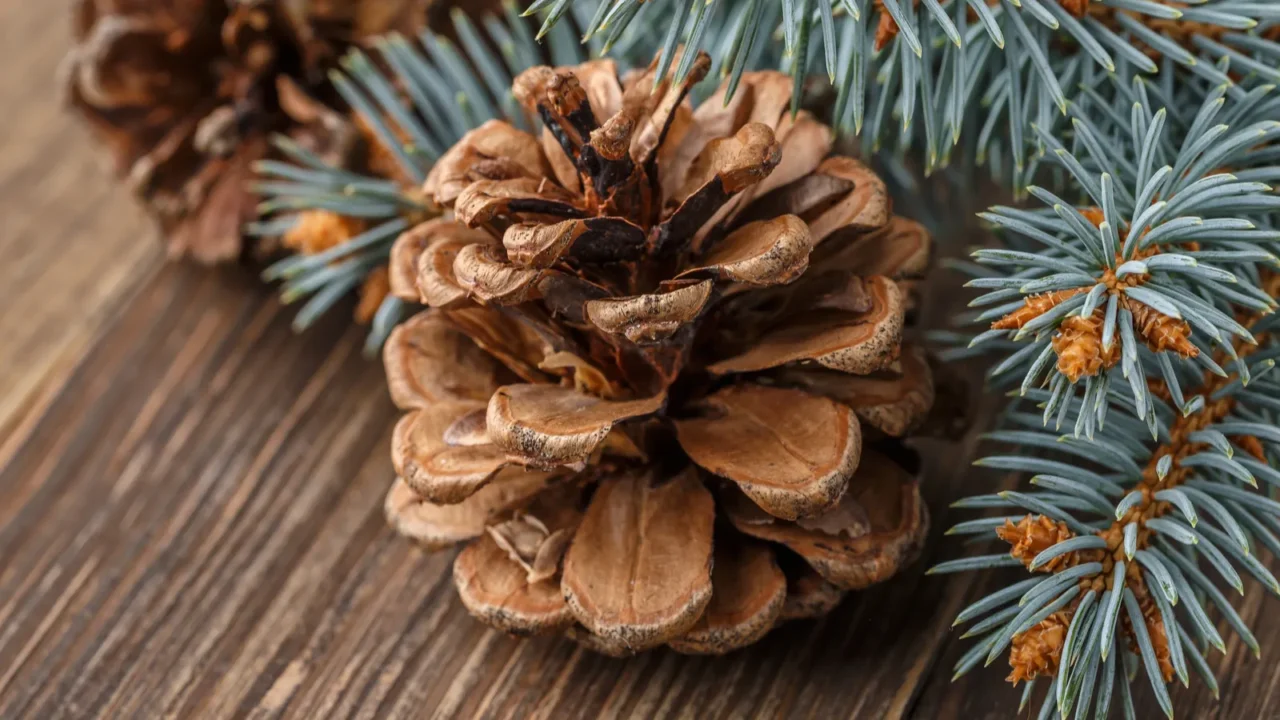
(186, 94)
(660, 382)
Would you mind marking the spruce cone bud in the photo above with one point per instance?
(1033, 535)
(1078, 344)
(1038, 651)
(1161, 332)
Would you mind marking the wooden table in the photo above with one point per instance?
(191, 524)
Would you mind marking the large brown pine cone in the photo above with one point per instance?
(660, 379)
(186, 93)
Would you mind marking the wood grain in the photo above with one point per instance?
(191, 525)
(193, 529)
(73, 244)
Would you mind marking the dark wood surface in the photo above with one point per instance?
(191, 525)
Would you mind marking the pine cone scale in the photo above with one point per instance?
(496, 590)
(646, 319)
(749, 592)
(809, 595)
(552, 425)
(791, 452)
(437, 526)
(900, 250)
(861, 552)
(437, 283)
(428, 362)
(858, 343)
(765, 252)
(804, 143)
(726, 167)
(639, 569)
(516, 343)
(514, 588)
(493, 151)
(894, 400)
(437, 470)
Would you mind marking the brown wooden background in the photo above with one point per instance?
(190, 508)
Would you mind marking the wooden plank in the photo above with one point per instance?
(74, 244)
(191, 525)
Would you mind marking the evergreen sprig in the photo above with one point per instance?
(1176, 223)
(1119, 528)
(1159, 479)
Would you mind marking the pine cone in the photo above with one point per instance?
(186, 94)
(647, 319)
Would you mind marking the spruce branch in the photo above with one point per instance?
(1138, 319)
(1120, 548)
(1165, 247)
(973, 74)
